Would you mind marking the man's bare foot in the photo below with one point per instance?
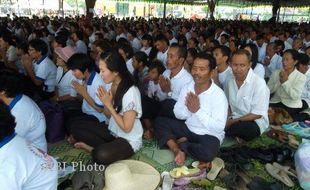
(179, 157)
(204, 165)
(181, 140)
(71, 140)
(81, 145)
(148, 134)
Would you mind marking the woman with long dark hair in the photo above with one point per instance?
(123, 136)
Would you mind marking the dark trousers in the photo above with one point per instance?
(74, 117)
(200, 147)
(302, 116)
(150, 107)
(107, 148)
(246, 130)
(166, 108)
(291, 111)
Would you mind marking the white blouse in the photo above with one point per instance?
(131, 101)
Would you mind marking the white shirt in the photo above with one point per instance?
(162, 56)
(11, 54)
(287, 45)
(173, 40)
(91, 39)
(223, 75)
(251, 97)
(306, 43)
(188, 36)
(261, 52)
(154, 91)
(259, 70)
(80, 47)
(131, 101)
(122, 35)
(25, 167)
(210, 118)
(136, 44)
(129, 65)
(289, 92)
(146, 51)
(31, 127)
(45, 70)
(275, 64)
(63, 82)
(178, 81)
(93, 84)
(306, 92)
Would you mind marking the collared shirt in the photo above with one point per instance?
(306, 92)
(162, 56)
(212, 115)
(32, 127)
(154, 91)
(178, 81)
(146, 51)
(173, 40)
(275, 64)
(45, 70)
(93, 83)
(136, 44)
(223, 75)
(289, 92)
(259, 70)
(251, 97)
(11, 54)
(129, 65)
(63, 82)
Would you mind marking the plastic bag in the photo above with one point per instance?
(302, 164)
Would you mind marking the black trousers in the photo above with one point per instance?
(246, 130)
(166, 108)
(302, 116)
(150, 107)
(200, 147)
(107, 148)
(72, 119)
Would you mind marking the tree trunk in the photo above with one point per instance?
(61, 8)
(211, 5)
(90, 4)
(275, 9)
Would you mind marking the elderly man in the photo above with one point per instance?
(248, 98)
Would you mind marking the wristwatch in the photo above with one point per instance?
(170, 94)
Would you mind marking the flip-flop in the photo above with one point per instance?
(216, 166)
(183, 172)
(286, 169)
(219, 188)
(296, 129)
(279, 175)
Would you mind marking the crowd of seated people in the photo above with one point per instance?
(187, 84)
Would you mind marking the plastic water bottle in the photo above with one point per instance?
(167, 181)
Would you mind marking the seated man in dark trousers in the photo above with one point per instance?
(248, 98)
(203, 106)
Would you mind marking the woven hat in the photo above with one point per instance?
(131, 175)
(65, 53)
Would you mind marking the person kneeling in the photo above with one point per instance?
(202, 132)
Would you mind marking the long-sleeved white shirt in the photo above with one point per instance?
(212, 115)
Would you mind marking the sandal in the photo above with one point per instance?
(286, 169)
(216, 166)
(277, 135)
(183, 172)
(279, 174)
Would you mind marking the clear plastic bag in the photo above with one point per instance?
(302, 164)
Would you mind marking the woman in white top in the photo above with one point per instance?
(123, 136)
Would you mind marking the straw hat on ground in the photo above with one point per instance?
(131, 175)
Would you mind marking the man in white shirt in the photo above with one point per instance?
(205, 118)
(261, 46)
(298, 45)
(41, 70)
(248, 98)
(173, 79)
(282, 36)
(162, 45)
(272, 61)
(170, 37)
(31, 127)
(23, 165)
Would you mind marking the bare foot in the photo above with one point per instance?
(148, 134)
(81, 145)
(71, 140)
(179, 158)
(181, 140)
(204, 165)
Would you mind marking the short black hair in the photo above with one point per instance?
(81, 62)
(141, 57)
(10, 83)
(294, 53)
(161, 37)
(62, 40)
(303, 59)
(23, 46)
(39, 45)
(156, 64)
(7, 121)
(224, 50)
(210, 58)
(182, 52)
(79, 34)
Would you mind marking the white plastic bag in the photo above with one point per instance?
(302, 164)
